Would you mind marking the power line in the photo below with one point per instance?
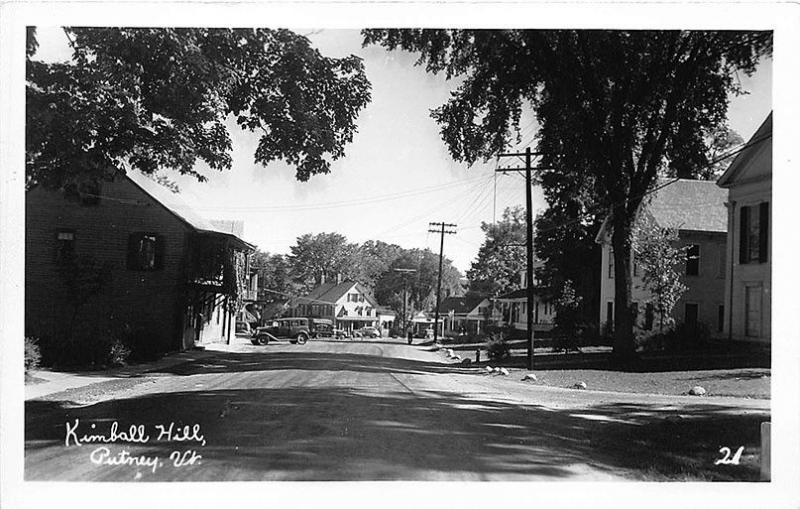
(348, 203)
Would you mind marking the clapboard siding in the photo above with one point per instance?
(153, 300)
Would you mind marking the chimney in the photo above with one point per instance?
(338, 278)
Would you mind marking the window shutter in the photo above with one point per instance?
(763, 231)
(744, 229)
(133, 241)
(159, 252)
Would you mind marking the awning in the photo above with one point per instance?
(356, 319)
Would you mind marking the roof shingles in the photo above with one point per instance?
(697, 205)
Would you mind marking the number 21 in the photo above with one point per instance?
(727, 459)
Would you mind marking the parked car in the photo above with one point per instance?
(368, 332)
(295, 329)
(340, 333)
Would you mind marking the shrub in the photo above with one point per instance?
(145, 345)
(33, 356)
(679, 338)
(497, 348)
(118, 353)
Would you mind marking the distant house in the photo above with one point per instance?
(467, 315)
(696, 208)
(349, 305)
(170, 274)
(748, 276)
(386, 319)
(513, 306)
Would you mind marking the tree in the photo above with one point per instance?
(322, 258)
(421, 286)
(274, 275)
(721, 141)
(159, 98)
(659, 257)
(372, 259)
(616, 109)
(501, 257)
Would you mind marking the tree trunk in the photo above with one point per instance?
(624, 347)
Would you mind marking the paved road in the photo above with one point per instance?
(377, 410)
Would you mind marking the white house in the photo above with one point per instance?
(349, 305)
(466, 315)
(748, 275)
(513, 307)
(696, 208)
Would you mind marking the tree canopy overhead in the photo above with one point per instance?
(616, 110)
(159, 99)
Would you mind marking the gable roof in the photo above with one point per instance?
(459, 304)
(332, 292)
(685, 204)
(521, 293)
(232, 226)
(754, 146)
(173, 203)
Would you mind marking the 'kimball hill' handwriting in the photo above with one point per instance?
(136, 434)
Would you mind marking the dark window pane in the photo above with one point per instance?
(693, 260)
(744, 228)
(145, 251)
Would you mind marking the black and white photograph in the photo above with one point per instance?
(453, 250)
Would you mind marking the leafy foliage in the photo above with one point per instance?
(320, 258)
(501, 258)
(33, 356)
(421, 285)
(615, 108)
(497, 348)
(159, 99)
(659, 257)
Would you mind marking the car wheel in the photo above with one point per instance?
(262, 340)
(302, 338)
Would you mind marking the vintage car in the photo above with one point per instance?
(367, 332)
(295, 329)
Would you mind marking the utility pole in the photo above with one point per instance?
(441, 259)
(529, 241)
(405, 272)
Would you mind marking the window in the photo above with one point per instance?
(720, 317)
(609, 316)
(610, 264)
(690, 316)
(693, 260)
(635, 268)
(65, 246)
(722, 259)
(145, 251)
(754, 233)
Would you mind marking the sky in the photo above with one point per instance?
(396, 176)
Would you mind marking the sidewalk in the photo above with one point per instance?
(58, 381)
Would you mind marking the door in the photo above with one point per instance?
(753, 311)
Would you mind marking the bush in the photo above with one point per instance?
(118, 353)
(33, 357)
(497, 348)
(144, 344)
(92, 347)
(679, 338)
